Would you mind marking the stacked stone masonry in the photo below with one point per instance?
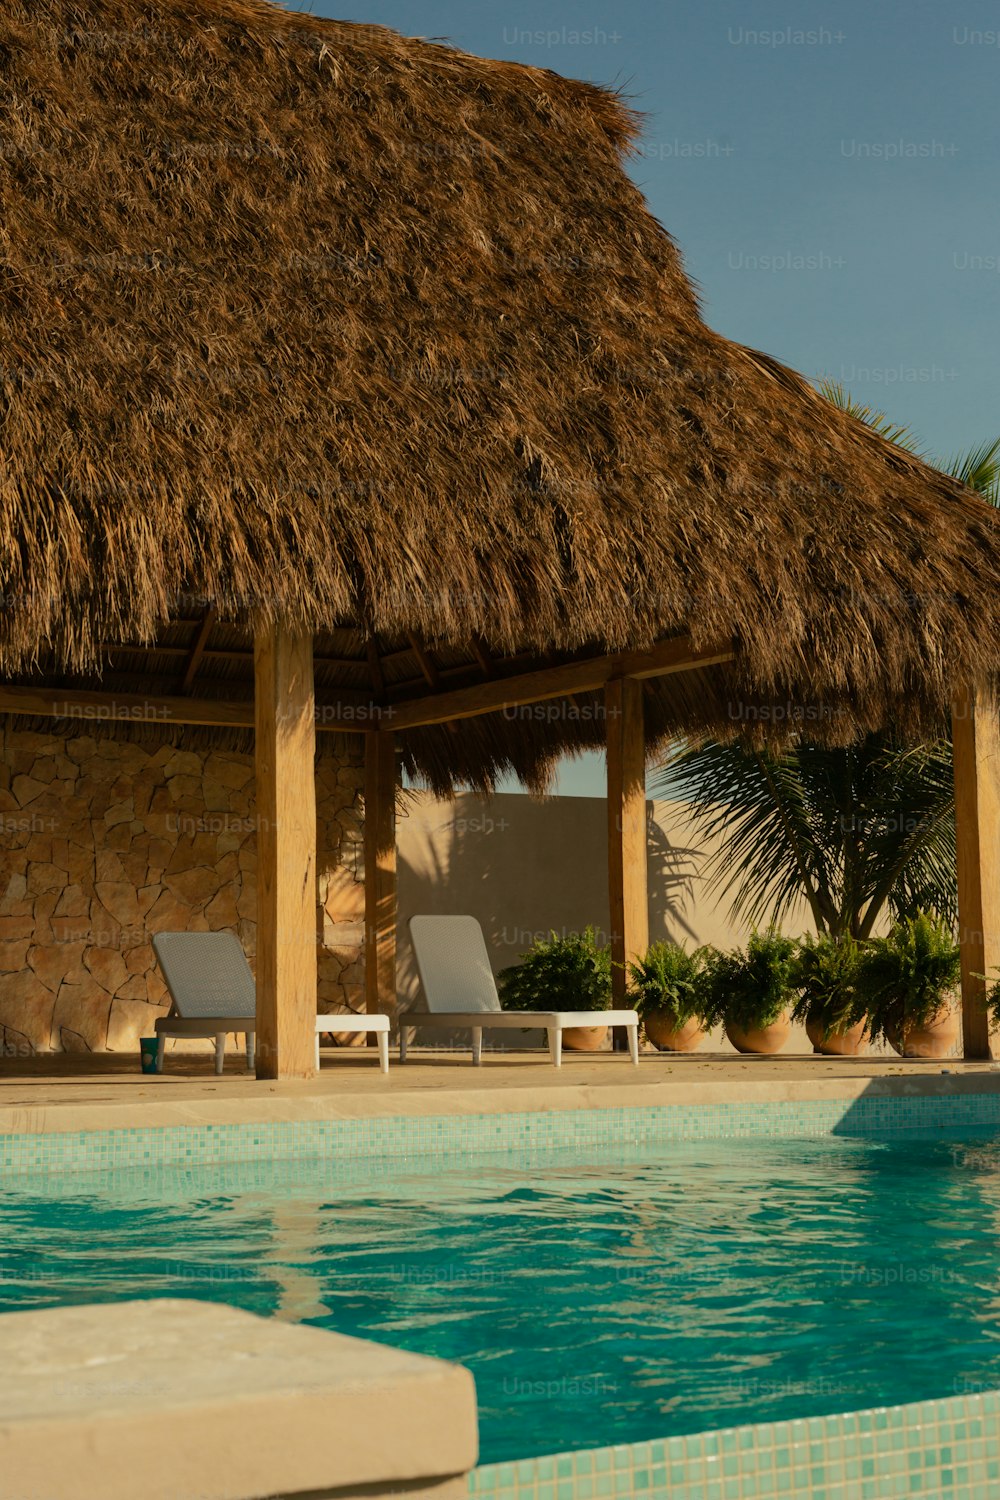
(105, 842)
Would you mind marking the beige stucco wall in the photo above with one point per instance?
(105, 842)
(523, 867)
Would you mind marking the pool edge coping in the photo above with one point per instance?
(277, 1107)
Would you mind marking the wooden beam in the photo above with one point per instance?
(286, 854)
(355, 714)
(135, 708)
(398, 654)
(976, 754)
(627, 880)
(582, 676)
(198, 649)
(403, 687)
(431, 673)
(425, 662)
(380, 874)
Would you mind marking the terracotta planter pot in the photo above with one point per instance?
(761, 1040)
(663, 1031)
(851, 1042)
(936, 1038)
(585, 1038)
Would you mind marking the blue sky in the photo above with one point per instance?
(828, 171)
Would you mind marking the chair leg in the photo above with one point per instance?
(477, 1045)
(220, 1051)
(633, 1043)
(382, 1037)
(250, 1039)
(161, 1049)
(402, 1041)
(555, 1046)
(317, 1052)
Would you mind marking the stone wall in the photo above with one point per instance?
(105, 842)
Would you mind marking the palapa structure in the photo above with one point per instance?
(367, 355)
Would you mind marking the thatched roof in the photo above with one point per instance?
(311, 319)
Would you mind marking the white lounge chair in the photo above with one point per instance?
(461, 992)
(212, 993)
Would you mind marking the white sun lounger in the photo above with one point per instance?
(213, 993)
(461, 992)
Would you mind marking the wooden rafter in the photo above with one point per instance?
(198, 649)
(487, 665)
(427, 665)
(432, 674)
(217, 653)
(403, 687)
(483, 657)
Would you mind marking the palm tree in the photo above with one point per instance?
(851, 830)
(855, 831)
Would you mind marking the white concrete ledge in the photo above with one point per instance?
(182, 1400)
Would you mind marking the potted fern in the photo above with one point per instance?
(909, 979)
(831, 1001)
(753, 991)
(667, 988)
(562, 973)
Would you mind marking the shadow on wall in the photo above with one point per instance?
(525, 868)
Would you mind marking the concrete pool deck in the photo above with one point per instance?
(105, 1091)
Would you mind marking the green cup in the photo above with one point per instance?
(147, 1053)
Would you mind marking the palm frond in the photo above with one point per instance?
(851, 830)
(909, 854)
(980, 470)
(754, 808)
(893, 432)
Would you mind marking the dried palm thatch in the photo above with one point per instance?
(320, 322)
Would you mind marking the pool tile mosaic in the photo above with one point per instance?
(948, 1448)
(940, 1450)
(421, 1137)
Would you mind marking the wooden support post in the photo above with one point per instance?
(976, 741)
(285, 721)
(626, 827)
(380, 874)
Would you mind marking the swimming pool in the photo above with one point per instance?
(640, 1292)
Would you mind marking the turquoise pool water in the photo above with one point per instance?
(637, 1294)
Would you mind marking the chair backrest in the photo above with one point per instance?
(207, 974)
(454, 965)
